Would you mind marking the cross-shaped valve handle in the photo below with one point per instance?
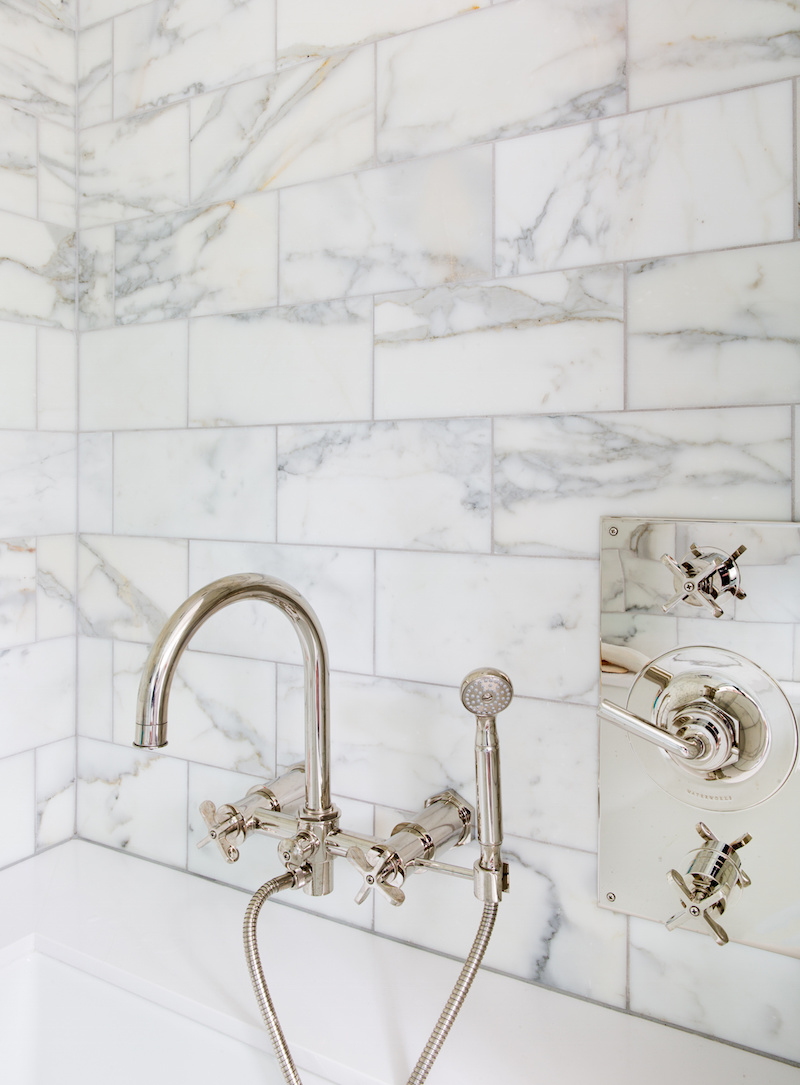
(375, 867)
(220, 824)
(715, 870)
(703, 576)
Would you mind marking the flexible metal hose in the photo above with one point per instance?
(457, 996)
(282, 1053)
(446, 1018)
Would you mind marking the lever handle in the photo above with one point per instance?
(688, 749)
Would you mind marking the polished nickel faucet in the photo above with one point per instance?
(310, 835)
(319, 815)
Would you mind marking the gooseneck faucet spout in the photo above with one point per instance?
(151, 712)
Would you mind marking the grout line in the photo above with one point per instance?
(627, 964)
(189, 324)
(275, 34)
(492, 491)
(78, 458)
(276, 533)
(626, 16)
(795, 151)
(375, 613)
(494, 213)
(625, 339)
(113, 68)
(530, 416)
(278, 275)
(188, 816)
(794, 471)
(372, 365)
(375, 162)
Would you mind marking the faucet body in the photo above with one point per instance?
(310, 837)
(318, 816)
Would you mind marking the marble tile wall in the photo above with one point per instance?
(394, 301)
(38, 420)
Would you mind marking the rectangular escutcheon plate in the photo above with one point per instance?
(700, 636)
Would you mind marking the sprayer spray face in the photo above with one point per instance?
(486, 692)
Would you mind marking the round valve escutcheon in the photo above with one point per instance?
(734, 721)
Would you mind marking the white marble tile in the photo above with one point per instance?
(95, 677)
(290, 364)
(37, 63)
(55, 792)
(17, 376)
(548, 753)
(134, 377)
(37, 483)
(127, 588)
(18, 161)
(313, 28)
(57, 379)
(449, 84)
(770, 645)
(548, 342)
(548, 928)
(715, 329)
(221, 708)
(687, 48)
(314, 120)
(424, 485)
(133, 800)
(173, 48)
(95, 88)
(415, 224)
(95, 482)
(605, 191)
(17, 592)
(56, 586)
(38, 683)
(220, 483)
(747, 996)
(134, 167)
(58, 13)
(94, 11)
(57, 174)
(338, 584)
(17, 786)
(213, 260)
(38, 271)
(441, 615)
(96, 277)
(556, 476)
(392, 743)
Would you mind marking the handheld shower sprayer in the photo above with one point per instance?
(485, 692)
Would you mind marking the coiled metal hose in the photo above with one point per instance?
(446, 1018)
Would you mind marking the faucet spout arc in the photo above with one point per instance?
(159, 671)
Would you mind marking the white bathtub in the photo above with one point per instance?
(112, 968)
(63, 1025)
